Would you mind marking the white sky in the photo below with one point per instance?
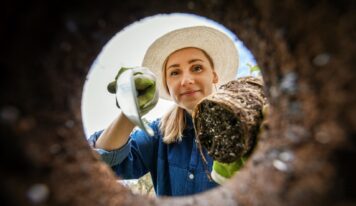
(127, 48)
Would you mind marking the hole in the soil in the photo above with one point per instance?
(126, 49)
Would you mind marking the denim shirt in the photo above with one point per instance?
(176, 169)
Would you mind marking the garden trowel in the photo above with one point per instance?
(126, 96)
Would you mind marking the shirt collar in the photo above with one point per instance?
(188, 121)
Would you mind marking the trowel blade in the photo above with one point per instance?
(126, 96)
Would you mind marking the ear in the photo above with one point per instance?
(215, 78)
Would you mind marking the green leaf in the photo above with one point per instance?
(255, 69)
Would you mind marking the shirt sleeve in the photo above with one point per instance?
(112, 157)
(136, 157)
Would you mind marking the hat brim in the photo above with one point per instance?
(216, 44)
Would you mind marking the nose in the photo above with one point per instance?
(187, 79)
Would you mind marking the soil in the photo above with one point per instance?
(304, 48)
(228, 121)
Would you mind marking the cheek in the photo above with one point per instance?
(209, 86)
(171, 87)
(208, 89)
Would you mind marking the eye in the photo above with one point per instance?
(173, 73)
(197, 68)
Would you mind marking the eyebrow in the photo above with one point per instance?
(190, 62)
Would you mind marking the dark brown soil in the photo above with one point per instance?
(306, 51)
(227, 122)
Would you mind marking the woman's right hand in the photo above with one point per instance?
(117, 133)
(145, 83)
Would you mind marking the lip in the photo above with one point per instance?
(189, 93)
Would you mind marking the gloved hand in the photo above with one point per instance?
(145, 82)
(223, 171)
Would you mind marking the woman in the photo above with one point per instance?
(188, 64)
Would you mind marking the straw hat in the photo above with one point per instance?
(216, 44)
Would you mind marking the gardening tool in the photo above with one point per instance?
(126, 96)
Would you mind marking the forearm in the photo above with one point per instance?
(116, 135)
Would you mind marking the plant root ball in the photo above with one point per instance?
(227, 122)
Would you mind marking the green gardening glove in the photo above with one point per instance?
(224, 171)
(145, 83)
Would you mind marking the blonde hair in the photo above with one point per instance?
(173, 122)
(172, 125)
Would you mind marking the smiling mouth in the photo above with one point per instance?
(189, 93)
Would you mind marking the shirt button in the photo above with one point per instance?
(191, 176)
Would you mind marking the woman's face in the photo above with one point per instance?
(189, 77)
